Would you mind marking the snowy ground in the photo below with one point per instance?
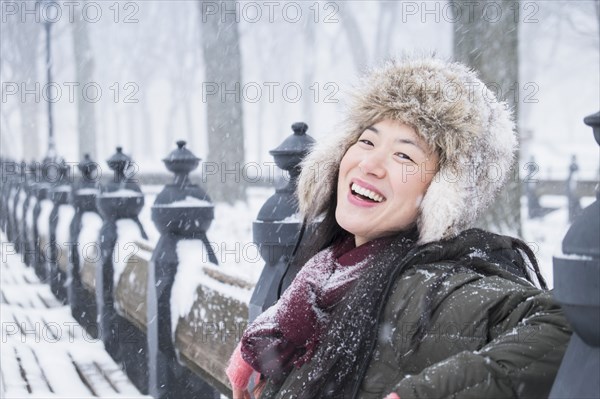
(45, 353)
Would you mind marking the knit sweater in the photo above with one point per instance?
(287, 333)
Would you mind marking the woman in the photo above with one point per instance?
(399, 296)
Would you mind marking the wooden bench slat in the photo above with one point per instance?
(32, 371)
(59, 371)
(206, 337)
(88, 275)
(104, 378)
(117, 379)
(130, 292)
(23, 327)
(19, 276)
(29, 326)
(12, 297)
(48, 299)
(12, 379)
(102, 374)
(94, 379)
(29, 330)
(30, 296)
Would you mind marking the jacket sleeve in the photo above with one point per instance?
(286, 333)
(528, 335)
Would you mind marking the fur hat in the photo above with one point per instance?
(453, 112)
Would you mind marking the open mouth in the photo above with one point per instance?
(365, 194)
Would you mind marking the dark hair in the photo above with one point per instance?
(312, 239)
(533, 264)
(320, 235)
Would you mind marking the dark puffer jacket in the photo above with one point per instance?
(489, 334)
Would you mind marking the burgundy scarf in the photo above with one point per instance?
(288, 333)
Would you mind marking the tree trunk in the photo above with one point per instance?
(20, 67)
(169, 130)
(385, 28)
(224, 117)
(354, 36)
(308, 64)
(486, 39)
(84, 69)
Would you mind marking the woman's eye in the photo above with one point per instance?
(403, 156)
(365, 141)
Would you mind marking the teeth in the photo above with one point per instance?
(366, 192)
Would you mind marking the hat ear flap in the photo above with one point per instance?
(442, 211)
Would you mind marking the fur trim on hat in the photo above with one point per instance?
(452, 111)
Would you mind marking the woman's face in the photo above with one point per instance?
(383, 178)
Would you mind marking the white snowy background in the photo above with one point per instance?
(156, 59)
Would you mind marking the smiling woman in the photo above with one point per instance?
(398, 296)
(383, 178)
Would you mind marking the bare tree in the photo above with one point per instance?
(84, 69)
(181, 68)
(136, 65)
(308, 65)
(19, 59)
(487, 40)
(357, 45)
(386, 23)
(223, 72)
(269, 54)
(385, 28)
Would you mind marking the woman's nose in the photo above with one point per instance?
(373, 164)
